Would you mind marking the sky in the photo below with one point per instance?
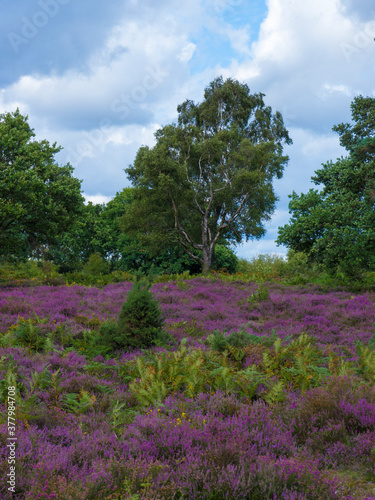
(99, 78)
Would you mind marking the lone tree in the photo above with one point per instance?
(209, 177)
(336, 226)
(38, 198)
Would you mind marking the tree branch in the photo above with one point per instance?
(181, 231)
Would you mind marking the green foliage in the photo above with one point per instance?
(217, 341)
(120, 416)
(262, 294)
(38, 198)
(96, 265)
(79, 403)
(225, 259)
(297, 263)
(298, 365)
(209, 177)
(366, 362)
(10, 379)
(12, 272)
(334, 227)
(140, 324)
(25, 333)
(97, 281)
(97, 232)
(28, 334)
(140, 320)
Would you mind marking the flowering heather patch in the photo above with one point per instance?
(209, 420)
(197, 307)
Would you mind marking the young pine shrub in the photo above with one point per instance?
(140, 323)
(140, 320)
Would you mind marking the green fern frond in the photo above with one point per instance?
(366, 362)
(276, 394)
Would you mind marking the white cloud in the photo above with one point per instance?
(299, 62)
(187, 52)
(310, 59)
(343, 89)
(96, 199)
(141, 64)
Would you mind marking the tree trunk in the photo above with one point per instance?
(213, 258)
(206, 260)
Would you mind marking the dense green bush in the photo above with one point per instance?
(96, 265)
(140, 320)
(140, 323)
(225, 258)
(20, 271)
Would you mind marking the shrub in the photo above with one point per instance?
(260, 295)
(140, 320)
(263, 267)
(297, 263)
(96, 265)
(20, 272)
(25, 333)
(225, 258)
(140, 323)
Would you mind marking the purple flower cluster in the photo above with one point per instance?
(82, 434)
(196, 307)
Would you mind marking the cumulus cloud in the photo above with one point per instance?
(100, 79)
(96, 199)
(308, 60)
(47, 36)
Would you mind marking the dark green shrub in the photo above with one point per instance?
(140, 320)
(140, 323)
(225, 258)
(239, 338)
(27, 333)
(96, 265)
(108, 336)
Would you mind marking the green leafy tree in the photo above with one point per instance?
(38, 198)
(96, 265)
(97, 231)
(336, 226)
(210, 175)
(74, 247)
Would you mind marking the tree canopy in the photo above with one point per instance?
(96, 231)
(209, 176)
(336, 226)
(38, 198)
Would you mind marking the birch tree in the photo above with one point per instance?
(209, 176)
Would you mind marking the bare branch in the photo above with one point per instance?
(187, 250)
(200, 209)
(181, 231)
(236, 213)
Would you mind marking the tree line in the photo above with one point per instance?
(206, 186)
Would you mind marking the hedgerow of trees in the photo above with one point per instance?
(335, 227)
